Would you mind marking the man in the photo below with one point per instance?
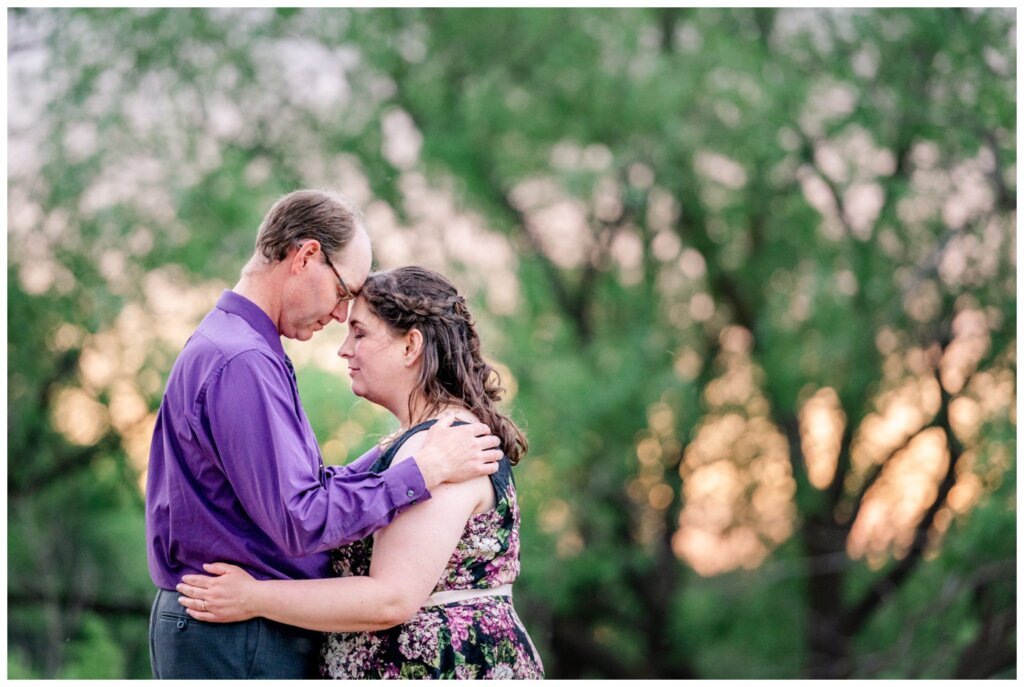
(235, 473)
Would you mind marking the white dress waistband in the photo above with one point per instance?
(452, 595)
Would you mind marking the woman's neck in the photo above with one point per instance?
(418, 411)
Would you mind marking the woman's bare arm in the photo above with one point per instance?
(409, 557)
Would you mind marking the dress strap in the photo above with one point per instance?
(384, 460)
(453, 595)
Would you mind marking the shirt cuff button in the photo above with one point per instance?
(410, 493)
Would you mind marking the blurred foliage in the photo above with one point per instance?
(711, 219)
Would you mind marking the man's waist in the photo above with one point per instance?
(166, 572)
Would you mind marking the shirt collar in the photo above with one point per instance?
(237, 304)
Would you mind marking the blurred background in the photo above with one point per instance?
(749, 277)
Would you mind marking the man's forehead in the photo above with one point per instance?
(355, 260)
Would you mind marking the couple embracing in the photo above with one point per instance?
(405, 558)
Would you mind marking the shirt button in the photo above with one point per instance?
(410, 493)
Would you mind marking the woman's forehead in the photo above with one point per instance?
(364, 316)
(361, 312)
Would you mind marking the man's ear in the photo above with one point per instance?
(413, 341)
(303, 255)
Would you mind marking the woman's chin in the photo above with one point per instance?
(363, 393)
(359, 389)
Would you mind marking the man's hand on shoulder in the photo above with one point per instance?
(455, 454)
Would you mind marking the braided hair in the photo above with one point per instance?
(453, 370)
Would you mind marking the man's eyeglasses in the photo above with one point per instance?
(344, 293)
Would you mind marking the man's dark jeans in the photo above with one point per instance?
(181, 647)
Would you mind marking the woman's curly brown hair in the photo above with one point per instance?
(453, 370)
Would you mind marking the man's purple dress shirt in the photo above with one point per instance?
(235, 472)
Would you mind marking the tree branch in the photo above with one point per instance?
(993, 649)
(843, 463)
(899, 655)
(27, 485)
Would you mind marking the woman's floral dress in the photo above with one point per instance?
(473, 638)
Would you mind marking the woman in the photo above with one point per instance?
(429, 595)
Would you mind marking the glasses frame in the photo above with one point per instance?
(345, 294)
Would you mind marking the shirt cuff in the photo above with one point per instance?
(405, 484)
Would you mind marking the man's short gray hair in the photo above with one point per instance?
(326, 216)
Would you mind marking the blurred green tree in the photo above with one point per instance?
(756, 306)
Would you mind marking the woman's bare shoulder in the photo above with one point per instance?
(410, 447)
(477, 487)
(461, 414)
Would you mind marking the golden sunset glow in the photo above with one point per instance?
(821, 428)
(895, 503)
(79, 417)
(555, 518)
(656, 449)
(737, 485)
(900, 413)
(111, 361)
(737, 480)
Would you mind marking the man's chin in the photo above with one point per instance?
(301, 335)
(305, 333)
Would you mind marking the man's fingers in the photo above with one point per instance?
(492, 455)
(488, 442)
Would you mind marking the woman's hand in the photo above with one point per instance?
(228, 597)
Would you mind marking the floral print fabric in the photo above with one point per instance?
(473, 638)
